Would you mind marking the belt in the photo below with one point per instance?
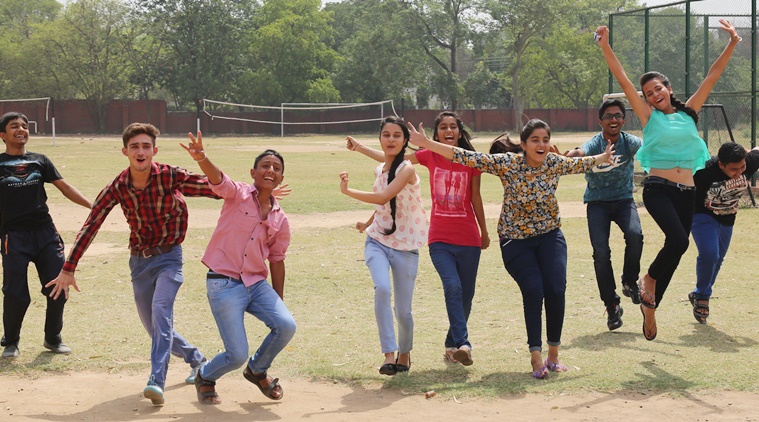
(213, 276)
(150, 252)
(656, 180)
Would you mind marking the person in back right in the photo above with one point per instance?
(719, 187)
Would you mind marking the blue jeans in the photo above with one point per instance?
(539, 266)
(457, 266)
(230, 300)
(624, 214)
(672, 210)
(44, 247)
(155, 281)
(404, 264)
(712, 240)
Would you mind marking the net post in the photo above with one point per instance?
(281, 120)
(52, 118)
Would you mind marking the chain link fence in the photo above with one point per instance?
(682, 40)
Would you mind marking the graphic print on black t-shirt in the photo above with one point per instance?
(14, 174)
(23, 201)
(723, 196)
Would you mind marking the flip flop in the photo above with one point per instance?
(644, 324)
(646, 299)
(541, 373)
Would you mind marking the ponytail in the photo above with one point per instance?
(503, 144)
(684, 108)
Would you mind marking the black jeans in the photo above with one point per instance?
(672, 210)
(44, 247)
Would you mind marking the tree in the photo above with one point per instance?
(206, 43)
(289, 55)
(445, 25)
(379, 62)
(84, 47)
(566, 70)
(520, 23)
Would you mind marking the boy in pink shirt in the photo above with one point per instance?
(252, 228)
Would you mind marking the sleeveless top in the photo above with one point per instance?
(671, 140)
(410, 219)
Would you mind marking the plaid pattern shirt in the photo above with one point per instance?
(157, 215)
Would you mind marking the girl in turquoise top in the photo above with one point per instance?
(672, 151)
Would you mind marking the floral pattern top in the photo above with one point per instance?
(529, 205)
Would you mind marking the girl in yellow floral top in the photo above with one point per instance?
(533, 248)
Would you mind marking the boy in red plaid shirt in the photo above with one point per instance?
(151, 195)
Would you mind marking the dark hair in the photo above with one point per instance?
(648, 76)
(10, 116)
(135, 129)
(267, 153)
(611, 103)
(503, 144)
(731, 152)
(531, 126)
(465, 138)
(396, 162)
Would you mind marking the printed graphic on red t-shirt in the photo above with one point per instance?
(450, 192)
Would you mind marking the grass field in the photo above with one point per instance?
(329, 291)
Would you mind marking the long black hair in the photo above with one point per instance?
(465, 139)
(503, 144)
(396, 162)
(648, 76)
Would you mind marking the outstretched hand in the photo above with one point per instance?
(730, 29)
(61, 284)
(418, 137)
(196, 146)
(281, 191)
(351, 143)
(609, 152)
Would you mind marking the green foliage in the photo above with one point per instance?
(289, 49)
(380, 62)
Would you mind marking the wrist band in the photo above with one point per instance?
(204, 157)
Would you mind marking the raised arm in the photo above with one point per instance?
(420, 139)
(639, 106)
(72, 193)
(196, 151)
(715, 71)
(405, 175)
(374, 154)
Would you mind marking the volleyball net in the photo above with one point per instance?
(307, 117)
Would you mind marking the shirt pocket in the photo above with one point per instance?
(246, 217)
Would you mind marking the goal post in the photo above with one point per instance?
(30, 108)
(300, 114)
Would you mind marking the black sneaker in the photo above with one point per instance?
(614, 318)
(631, 291)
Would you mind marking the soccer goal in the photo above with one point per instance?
(355, 117)
(35, 109)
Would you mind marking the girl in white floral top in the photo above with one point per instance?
(396, 231)
(533, 248)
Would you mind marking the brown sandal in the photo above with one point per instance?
(270, 389)
(206, 390)
(646, 299)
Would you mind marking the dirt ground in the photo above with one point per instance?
(109, 397)
(117, 397)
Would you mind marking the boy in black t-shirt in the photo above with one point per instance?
(719, 187)
(27, 233)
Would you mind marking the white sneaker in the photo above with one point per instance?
(154, 393)
(59, 348)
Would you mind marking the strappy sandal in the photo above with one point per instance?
(555, 367)
(700, 309)
(206, 390)
(269, 389)
(646, 299)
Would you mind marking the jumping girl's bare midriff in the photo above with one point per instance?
(677, 175)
